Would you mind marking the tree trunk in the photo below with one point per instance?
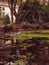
(12, 15)
(12, 12)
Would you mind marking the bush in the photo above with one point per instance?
(6, 20)
(45, 8)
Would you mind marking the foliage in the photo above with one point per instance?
(32, 12)
(23, 11)
(6, 20)
(45, 8)
(31, 0)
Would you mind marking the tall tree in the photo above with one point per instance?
(12, 5)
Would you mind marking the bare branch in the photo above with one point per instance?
(15, 2)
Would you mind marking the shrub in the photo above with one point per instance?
(6, 20)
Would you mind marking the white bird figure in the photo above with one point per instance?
(18, 33)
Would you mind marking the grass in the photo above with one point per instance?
(30, 34)
(26, 36)
(40, 31)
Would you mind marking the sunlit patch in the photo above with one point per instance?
(11, 63)
(24, 0)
